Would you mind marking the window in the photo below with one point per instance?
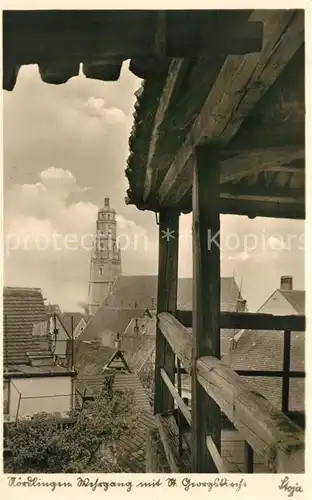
(6, 399)
(101, 271)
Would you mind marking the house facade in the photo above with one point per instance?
(285, 300)
(33, 379)
(74, 323)
(29, 390)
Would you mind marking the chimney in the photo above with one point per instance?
(286, 283)
(118, 342)
(106, 202)
(241, 305)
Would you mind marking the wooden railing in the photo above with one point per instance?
(267, 431)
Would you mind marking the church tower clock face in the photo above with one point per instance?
(105, 264)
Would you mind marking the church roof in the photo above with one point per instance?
(132, 295)
(141, 292)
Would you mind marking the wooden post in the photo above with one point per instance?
(248, 459)
(206, 416)
(166, 302)
(179, 411)
(286, 371)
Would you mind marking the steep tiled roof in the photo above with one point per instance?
(122, 382)
(296, 298)
(134, 459)
(53, 309)
(91, 357)
(22, 309)
(263, 350)
(108, 321)
(139, 349)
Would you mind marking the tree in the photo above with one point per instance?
(90, 444)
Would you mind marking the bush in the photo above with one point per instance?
(89, 444)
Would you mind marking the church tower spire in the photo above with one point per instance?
(105, 265)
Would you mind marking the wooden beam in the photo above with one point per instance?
(244, 321)
(241, 84)
(221, 464)
(288, 169)
(169, 434)
(184, 409)
(168, 443)
(271, 434)
(233, 166)
(267, 199)
(252, 209)
(166, 301)
(174, 76)
(262, 193)
(257, 160)
(206, 305)
(178, 337)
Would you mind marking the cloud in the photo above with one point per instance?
(95, 107)
(114, 116)
(81, 128)
(48, 239)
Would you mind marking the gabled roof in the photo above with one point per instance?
(67, 320)
(263, 350)
(296, 298)
(22, 309)
(117, 362)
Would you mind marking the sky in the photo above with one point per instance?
(65, 148)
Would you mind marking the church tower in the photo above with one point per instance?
(105, 264)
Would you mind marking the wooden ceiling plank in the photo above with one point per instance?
(262, 193)
(168, 91)
(240, 85)
(286, 198)
(242, 165)
(258, 160)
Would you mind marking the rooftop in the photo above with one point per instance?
(23, 308)
(28, 370)
(263, 350)
(296, 298)
(132, 295)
